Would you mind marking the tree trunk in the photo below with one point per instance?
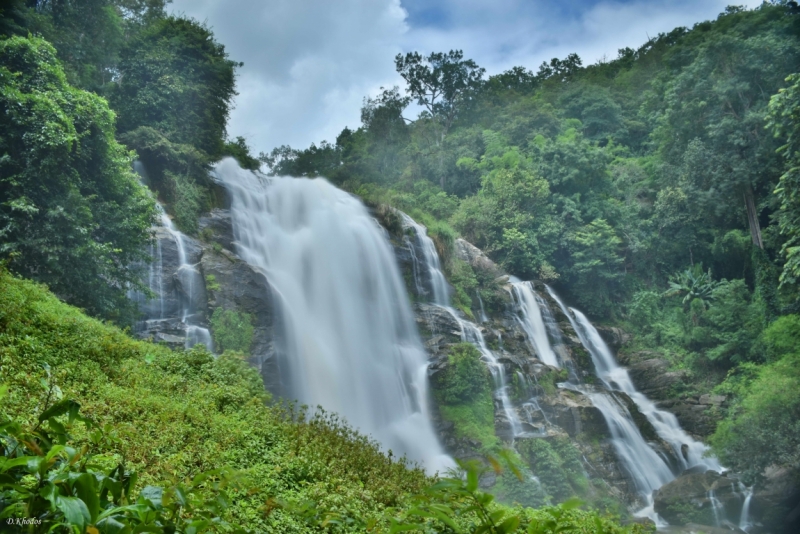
(752, 217)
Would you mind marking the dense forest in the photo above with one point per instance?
(659, 192)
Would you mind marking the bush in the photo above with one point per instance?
(232, 330)
(465, 377)
(763, 429)
(178, 414)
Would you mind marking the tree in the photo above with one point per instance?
(176, 78)
(442, 83)
(784, 121)
(72, 214)
(173, 97)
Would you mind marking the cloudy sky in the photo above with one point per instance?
(309, 63)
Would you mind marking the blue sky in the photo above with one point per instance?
(310, 63)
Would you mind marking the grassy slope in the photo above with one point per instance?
(177, 414)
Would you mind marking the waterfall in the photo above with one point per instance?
(348, 341)
(430, 267)
(716, 506)
(647, 469)
(482, 317)
(433, 272)
(188, 276)
(744, 519)
(529, 316)
(617, 378)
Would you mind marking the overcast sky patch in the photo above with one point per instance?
(310, 63)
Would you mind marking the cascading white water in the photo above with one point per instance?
(470, 333)
(666, 425)
(483, 317)
(647, 469)
(716, 506)
(744, 518)
(349, 341)
(433, 269)
(187, 273)
(617, 378)
(529, 317)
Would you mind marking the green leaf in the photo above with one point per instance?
(110, 525)
(152, 494)
(86, 488)
(59, 408)
(472, 479)
(75, 511)
(509, 525)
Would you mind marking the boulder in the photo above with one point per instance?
(216, 227)
(653, 378)
(707, 498)
(574, 413)
(615, 337)
(776, 501)
(434, 321)
(475, 258)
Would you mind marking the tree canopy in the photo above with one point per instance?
(72, 213)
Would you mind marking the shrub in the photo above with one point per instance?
(465, 377)
(232, 330)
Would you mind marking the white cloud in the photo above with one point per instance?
(309, 63)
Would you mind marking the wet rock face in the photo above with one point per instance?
(175, 290)
(216, 227)
(776, 501)
(236, 285)
(707, 498)
(653, 378)
(475, 258)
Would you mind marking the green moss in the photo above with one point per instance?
(473, 420)
(465, 377)
(232, 330)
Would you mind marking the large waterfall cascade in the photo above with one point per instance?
(429, 268)
(188, 276)
(648, 469)
(348, 341)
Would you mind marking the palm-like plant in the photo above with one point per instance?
(693, 283)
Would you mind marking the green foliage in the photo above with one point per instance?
(782, 337)
(693, 284)
(180, 414)
(763, 428)
(173, 98)
(72, 213)
(57, 486)
(239, 150)
(465, 377)
(557, 464)
(463, 390)
(784, 118)
(232, 330)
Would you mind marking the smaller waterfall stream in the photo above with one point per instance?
(470, 332)
(529, 317)
(188, 278)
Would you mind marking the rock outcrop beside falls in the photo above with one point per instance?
(225, 281)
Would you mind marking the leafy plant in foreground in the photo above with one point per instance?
(50, 484)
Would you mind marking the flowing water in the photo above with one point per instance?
(348, 338)
(529, 317)
(687, 450)
(428, 267)
(188, 277)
